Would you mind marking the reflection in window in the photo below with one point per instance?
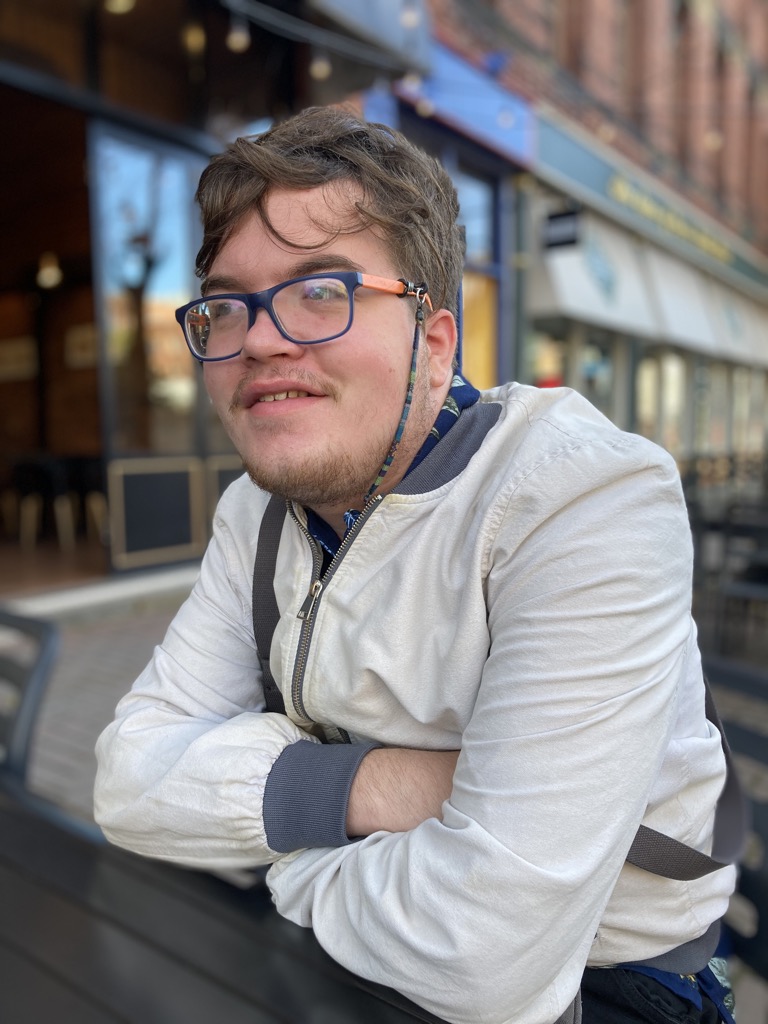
(647, 389)
(480, 282)
(596, 374)
(757, 435)
(476, 204)
(480, 361)
(544, 361)
(145, 224)
(741, 388)
(673, 402)
(711, 409)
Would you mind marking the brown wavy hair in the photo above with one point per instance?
(402, 192)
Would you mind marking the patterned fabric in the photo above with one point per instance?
(712, 982)
(461, 396)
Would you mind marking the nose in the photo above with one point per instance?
(264, 340)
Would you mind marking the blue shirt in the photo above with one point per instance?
(461, 396)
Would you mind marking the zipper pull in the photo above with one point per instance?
(311, 599)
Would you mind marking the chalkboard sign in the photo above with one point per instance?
(157, 511)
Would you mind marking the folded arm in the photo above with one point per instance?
(192, 770)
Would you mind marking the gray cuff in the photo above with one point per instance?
(306, 794)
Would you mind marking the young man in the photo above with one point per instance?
(485, 648)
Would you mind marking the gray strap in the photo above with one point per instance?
(690, 958)
(264, 603)
(665, 856)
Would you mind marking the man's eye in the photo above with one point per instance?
(325, 291)
(223, 309)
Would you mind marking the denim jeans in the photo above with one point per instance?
(619, 996)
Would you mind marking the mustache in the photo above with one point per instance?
(303, 379)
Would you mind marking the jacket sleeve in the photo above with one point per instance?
(192, 769)
(489, 915)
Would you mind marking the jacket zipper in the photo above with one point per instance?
(309, 606)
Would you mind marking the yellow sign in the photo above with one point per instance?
(623, 191)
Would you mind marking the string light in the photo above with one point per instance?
(239, 35)
(49, 273)
(193, 38)
(320, 67)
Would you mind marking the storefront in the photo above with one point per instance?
(656, 313)
(111, 457)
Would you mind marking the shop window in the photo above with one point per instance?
(673, 402)
(632, 58)
(748, 410)
(741, 388)
(146, 240)
(544, 363)
(647, 391)
(595, 373)
(480, 361)
(569, 34)
(711, 409)
(757, 428)
(477, 205)
(716, 138)
(476, 214)
(681, 63)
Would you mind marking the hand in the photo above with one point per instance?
(395, 789)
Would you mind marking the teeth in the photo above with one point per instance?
(282, 395)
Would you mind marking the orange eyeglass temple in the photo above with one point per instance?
(386, 284)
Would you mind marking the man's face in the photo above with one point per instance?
(323, 445)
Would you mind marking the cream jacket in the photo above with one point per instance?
(524, 594)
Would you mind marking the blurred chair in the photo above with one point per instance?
(747, 688)
(27, 653)
(28, 649)
(42, 481)
(742, 591)
(86, 482)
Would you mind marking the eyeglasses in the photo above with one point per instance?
(306, 310)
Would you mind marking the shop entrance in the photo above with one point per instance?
(112, 459)
(51, 479)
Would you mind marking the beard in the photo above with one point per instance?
(332, 477)
(325, 478)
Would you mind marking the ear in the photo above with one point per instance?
(440, 337)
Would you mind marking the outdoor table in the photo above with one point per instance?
(90, 934)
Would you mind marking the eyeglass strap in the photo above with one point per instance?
(406, 407)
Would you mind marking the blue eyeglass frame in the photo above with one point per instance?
(254, 301)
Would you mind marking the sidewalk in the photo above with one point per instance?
(107, 633)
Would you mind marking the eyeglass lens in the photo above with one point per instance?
(308, 311)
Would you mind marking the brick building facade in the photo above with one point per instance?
(680, 87)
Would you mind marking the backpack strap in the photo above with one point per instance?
(662, 855)
(651, 850)
(264, 604)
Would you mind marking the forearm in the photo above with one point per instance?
(178, 788)
(394, 789)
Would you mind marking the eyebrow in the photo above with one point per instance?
(316, 264)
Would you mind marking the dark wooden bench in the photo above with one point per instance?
(92, 935)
